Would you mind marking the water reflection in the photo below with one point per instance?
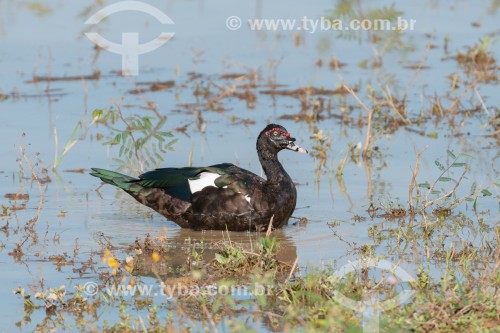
(177, 247)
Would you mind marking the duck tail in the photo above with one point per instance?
(122, 181)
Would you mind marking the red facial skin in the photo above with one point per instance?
(275, 132)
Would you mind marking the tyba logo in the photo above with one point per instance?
(130, 49)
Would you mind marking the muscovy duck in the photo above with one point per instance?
(221, 196)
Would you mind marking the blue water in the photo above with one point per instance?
(53, 44)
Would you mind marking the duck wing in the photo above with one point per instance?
(182, 183)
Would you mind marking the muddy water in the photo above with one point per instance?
(74, 213)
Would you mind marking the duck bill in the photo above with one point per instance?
(292, 146)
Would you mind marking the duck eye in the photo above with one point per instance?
(275, 133)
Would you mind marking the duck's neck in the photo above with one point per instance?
(273, 169)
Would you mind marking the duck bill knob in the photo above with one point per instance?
(292, 146)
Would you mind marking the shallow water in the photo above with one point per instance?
(52, 44)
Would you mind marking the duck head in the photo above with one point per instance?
(275, 138)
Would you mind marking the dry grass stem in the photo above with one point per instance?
(370, 115)
(414, 178)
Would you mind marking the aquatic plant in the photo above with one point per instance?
(141, 139)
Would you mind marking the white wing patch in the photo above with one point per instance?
(206, 179)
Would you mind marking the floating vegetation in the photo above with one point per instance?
(302, 92)
(96, 75)
(479, 61)
(153, 86)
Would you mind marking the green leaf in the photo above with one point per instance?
(450, 153)
(158, 137)
(486, 193)
(425, 185)
(139, 143)
(129, 149)
(147, 123)
(216, 305)
(124, 137)
(97, 113)
(169, 145)
(439, 165)
(473, 188)
(433, 135)
(458, 165)
(220, 259)
(444, 179)
(116, 139)
(167, 134)
(159, 158)
(468, 156)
